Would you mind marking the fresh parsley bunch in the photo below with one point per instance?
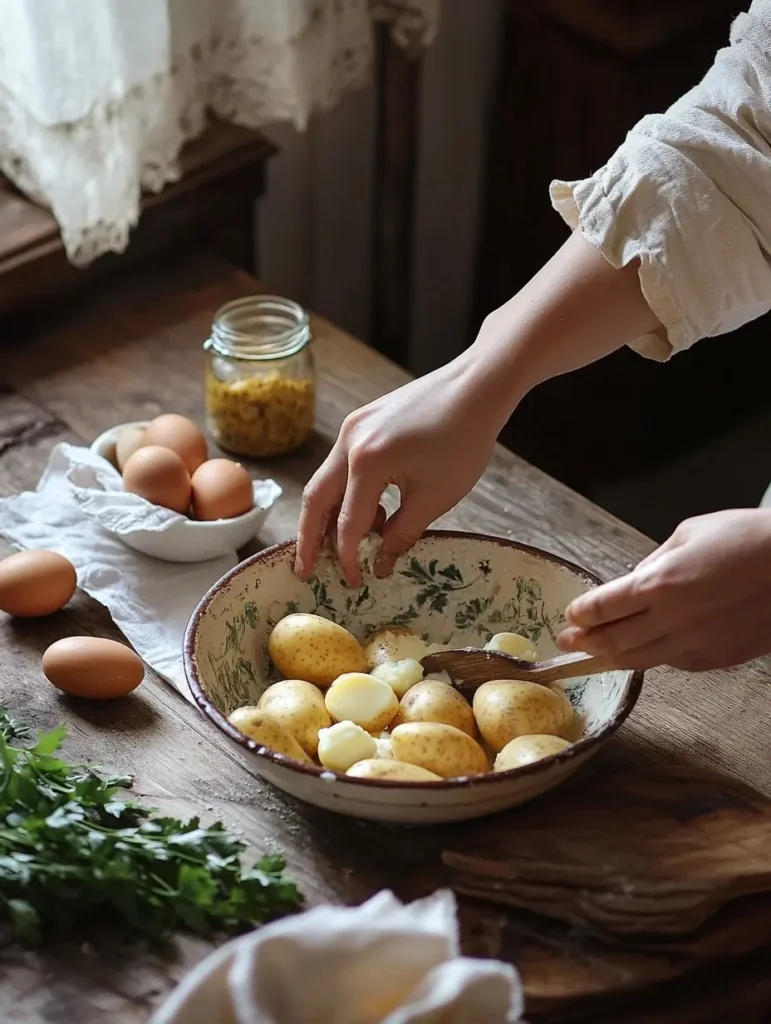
(71, 844)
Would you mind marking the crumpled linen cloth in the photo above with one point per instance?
(380, 963)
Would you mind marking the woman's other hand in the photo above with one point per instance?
(700, 601)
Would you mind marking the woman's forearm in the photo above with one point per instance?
(577, 309)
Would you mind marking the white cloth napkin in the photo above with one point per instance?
(149, 600)
(380, 963)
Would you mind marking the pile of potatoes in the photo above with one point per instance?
(369, 712)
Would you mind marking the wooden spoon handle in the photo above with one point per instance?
(568, 666)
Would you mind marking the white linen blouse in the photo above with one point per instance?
(689, 194)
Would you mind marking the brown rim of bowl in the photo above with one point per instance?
(488, 778)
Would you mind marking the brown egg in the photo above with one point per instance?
(181, 435)
(92, 667)
(34, 583)
(158, 475)
(221, 490)
(130, 439)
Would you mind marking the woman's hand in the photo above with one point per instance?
(432, 438)
(700, 601)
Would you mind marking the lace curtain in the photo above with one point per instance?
(97, 97)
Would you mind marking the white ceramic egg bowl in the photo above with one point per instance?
(189, 540)
(456, 588)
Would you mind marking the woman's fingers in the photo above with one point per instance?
(401, 531)
(669, 545)
(321, 498)
(380, 519)
(358, 512)
(628, 634)
(618, 599)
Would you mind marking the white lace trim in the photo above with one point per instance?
(91, 172)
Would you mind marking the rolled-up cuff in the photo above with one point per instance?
(583, 205)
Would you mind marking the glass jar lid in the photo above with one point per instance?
(259, 327)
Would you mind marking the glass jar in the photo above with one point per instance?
(260, 379)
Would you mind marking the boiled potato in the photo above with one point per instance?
(260, 727)
(400, 675)
(568, 727)
(393, 643)
(397, 771)
(300, 707)
(314, 649)
(441, 676)
(385, 747)
(505, 709)
(363, 699)
(514, 644)
(438, 648)
(439, 748)
(432, 701)
(527, 749)
(343, 744)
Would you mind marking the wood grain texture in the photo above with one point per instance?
(133, 350)
(675, 845)
(469, 667)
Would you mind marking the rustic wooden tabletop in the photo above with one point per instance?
(131, 353)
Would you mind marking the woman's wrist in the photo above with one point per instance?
(488, 382)
(577, 309)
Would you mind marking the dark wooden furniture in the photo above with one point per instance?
(223, 173)
(135, 348)
(574, 76)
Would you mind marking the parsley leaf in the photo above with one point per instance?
(71, 844)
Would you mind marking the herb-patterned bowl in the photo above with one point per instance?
(453, 588)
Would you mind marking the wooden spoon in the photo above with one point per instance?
(469, 667)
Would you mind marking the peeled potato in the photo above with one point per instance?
(299, 706)
(513, 644)
(385, 748)
(527, 749)
(441, 749)
(343, 744)
(363, 699)
(398, 771)
(317, 650)
(393, 643)
(505, 709)
(260, 727)
(432, 701)
(400, 675)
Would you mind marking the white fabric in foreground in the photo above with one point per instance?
(381, 963)
(149, 600)
(689, 194)
(98, 96)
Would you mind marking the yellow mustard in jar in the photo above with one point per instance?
(261, 415)
(260, 380)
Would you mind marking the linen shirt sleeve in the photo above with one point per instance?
(689, 194)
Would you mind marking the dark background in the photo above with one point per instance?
(654, 443)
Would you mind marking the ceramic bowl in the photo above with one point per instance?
(187, 540)
(452, 588)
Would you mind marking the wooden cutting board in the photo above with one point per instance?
(652, 852)
(569, 976)
(636, 895)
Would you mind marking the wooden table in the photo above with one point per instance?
(132, 352)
